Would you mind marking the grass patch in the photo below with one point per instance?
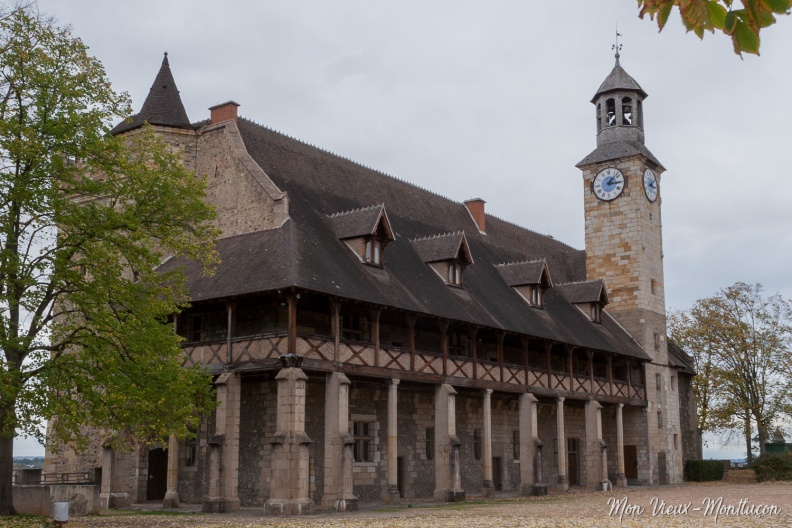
(25, 521)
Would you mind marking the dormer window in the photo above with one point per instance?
(372, 254)
(589, 297)
(595, 310)
(455, 273)
(530, 279)
(365, 231)
(447, 255)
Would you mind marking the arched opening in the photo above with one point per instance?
(627, 111)
(599, 117)
(610, 108)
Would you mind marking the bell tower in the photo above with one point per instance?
(624, 246)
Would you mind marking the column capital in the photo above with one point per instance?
(560, 399)
(487, 393)
(394, 382)
(621, 406)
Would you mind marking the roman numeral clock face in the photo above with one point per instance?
(608, 184)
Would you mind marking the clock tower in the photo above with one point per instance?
(624, 246)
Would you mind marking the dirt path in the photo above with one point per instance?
(639, 507)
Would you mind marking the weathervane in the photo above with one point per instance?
(617, 47)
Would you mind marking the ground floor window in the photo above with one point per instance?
(363, 434)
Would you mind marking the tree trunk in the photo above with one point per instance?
(749, 456)
(6, 475)
(762, 433)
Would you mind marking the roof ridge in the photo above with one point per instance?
(441, 235)
(357, 210)
(526, 261)
(579, 282)
(548, 236)
(353, 162)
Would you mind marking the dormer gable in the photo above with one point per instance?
(447, 254)
(366, 231)
(529, 278)
(590, 297)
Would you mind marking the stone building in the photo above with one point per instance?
(371, 340)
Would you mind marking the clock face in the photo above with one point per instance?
(608, 184)
(650, 185)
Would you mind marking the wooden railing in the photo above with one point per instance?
(363, 354)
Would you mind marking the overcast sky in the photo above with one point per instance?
(492, 100)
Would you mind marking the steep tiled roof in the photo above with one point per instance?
(522, 273)
(359, 222)
(163, 105)
(680, 359)
(618, 79)
(442, 247)
(584, 292)
(306, 251)
(616, 150)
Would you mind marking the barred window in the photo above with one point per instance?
(516, 445)
(477, 444)
(190, 451)
(363, 434)
(430, 434)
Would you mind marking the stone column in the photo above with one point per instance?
(171, 499)
(338, 447)
(563, 482)
(392, 493)
(289, 477)
(594, 447)
(487, 486)
(448, 482)
(530, 478)
(222, 489)
(109, 497)
(621, 480)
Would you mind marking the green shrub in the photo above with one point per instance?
(773, 466)
(703, 470)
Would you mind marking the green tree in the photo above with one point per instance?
(85, 220)
(742, 344)
(742, 24)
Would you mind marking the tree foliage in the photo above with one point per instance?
(741, 341)
(85, 220)
(741, 21)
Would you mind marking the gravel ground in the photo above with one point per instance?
(577, 509)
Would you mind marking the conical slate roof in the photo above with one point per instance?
(163, 106)
(618, 79)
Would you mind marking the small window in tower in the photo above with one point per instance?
(659, 419)
(610, 108)
(653, 284)
(627, 113)
(658, 383)
(676, 442)
(657, 341)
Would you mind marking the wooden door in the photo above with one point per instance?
(157, 481)
(400, 475)
(572, 461)
(497, 479)
(661, 467)
(631, 461)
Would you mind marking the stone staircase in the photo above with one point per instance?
(740, 476)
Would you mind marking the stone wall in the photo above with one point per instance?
(245, 198)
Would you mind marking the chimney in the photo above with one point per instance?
(223, 112)
(475, 207)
